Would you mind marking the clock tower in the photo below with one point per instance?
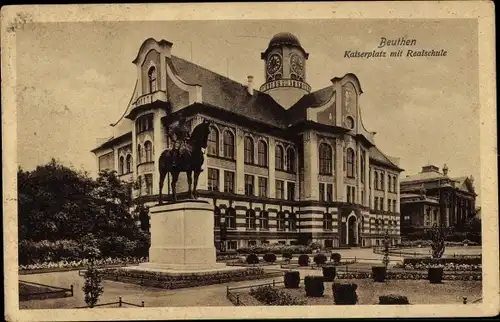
(285, 69)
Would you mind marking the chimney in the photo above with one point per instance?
(445, 170)
(250, 85)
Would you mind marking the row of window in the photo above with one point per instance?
(251, 222)
(229, 185)
(379, 204)
(326, 161)
(125, 165)
(326, 194)
(144, 123)
(379, 181)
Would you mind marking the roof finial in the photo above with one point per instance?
(445, 169)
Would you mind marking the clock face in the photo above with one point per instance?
(297, 64)
(349, 122)
(273, 63)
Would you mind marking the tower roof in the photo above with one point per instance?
(284, 38)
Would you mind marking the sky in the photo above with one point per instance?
(74, 79)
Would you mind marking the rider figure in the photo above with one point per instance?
(180, 135)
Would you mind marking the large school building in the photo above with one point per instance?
(284, 164)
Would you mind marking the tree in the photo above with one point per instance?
(92, 287)
(386, 259)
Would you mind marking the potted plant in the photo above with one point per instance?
(320, 259)
(304, 260)
(314, 286)
(345, 294)
(435, 274)
(292, 279)
(329, 272)
(380, 272)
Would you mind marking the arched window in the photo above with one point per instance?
(262, 153)
(248, 150)
(264, 220)
(216, 217)
(389, 183)
(231, 218)
(250, 219)
(350, 163)
(279, 158)
(362, 167)
(129, 163)
(382, 181)
(228, 144)
(376, 179)
(281, 221)
(139, 153)
(213, 142)
(292, 222)
(290, 160)
(325, 159)
(327, 222)
(153, 83)
(122, 165)
(148, 149)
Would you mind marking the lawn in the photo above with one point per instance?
(417, 292)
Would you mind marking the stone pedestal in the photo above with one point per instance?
(182, 239)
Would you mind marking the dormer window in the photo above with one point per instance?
(153, 82)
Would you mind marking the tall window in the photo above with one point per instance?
(144, 123)
(250, 219)
(279, 158)
(329, 192)
(122, 165)
(389, 183)
(376, 203)
(327, 222)
(362, 197)
(213, 142)
(362, 173)
(148, 178)
(290, 160)
(262, 153)
(292, 222)
(321, 192)
(280, 221)
(290, 190)
(213, 179)
(249, 182)
(264, 220)
(262, 187)
(153, 83)
(325, 159)
(248, 150)
(148, 149)
(280, 189)
(139, 153)
(382, 181)
(389, 205)
(231, 218)
(229, 181)
(228, 145)
(394, 184)
(129, 163)
(216, 217)
(351, 194)
(350, 163)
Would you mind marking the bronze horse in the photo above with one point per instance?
(189, 160)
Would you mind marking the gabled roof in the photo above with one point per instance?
(225, 93)
(378, 156)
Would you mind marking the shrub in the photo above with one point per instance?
(315, 245)
(426, 261)
(272, 296)
(329, 273)
(287, 255)
(320, 259)
(270, 257)
(303, 260)
(336, 258)
(435, 274)
(379, 273)
(292, 279)
(252, 259)
(393, 299)
(92, 287)
(345, 294)
(314, 286)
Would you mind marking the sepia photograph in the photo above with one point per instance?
(206, 163)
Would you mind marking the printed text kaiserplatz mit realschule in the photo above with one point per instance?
(402, 41)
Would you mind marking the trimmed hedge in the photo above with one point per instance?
(273, 296)
(320, 259)
(345, 294)
(455, 260)
(336, 257)
(314, 286)
(304, 260)
(287, 255)
(329, 273)
(393, 299)
(292, 279)
(270, 257)
(252, 259)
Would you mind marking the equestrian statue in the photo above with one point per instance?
(185, 156)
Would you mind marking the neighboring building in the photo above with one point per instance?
(284, 164)
(432, 197)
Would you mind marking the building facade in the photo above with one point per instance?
(432, 197)
(284, 164)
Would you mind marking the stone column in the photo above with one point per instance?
(240, 162)
(310, 166)
(271, 182)
(339, 169)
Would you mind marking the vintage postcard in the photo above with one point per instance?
(249, 160)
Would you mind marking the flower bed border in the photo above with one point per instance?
(176, 282)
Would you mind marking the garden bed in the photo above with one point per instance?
(417, 292)
(34, 291)
(166, 281)
(63, 266)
